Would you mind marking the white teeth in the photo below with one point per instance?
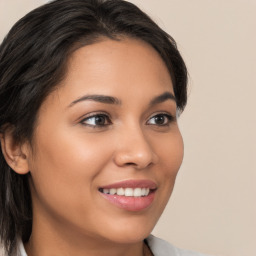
(136, 192)
(128, 192)
(106, 191)
(112, 191)
(120, 191)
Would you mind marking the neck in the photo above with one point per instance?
(38, 247)
(60, 240)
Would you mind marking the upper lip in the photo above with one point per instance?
(132, 184)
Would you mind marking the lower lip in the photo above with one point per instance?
(131, 203)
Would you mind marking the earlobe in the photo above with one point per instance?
(15, 154)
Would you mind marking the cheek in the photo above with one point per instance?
(68, 154)
(65, 167)
(171, 153)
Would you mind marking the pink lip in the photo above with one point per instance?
(132, 203)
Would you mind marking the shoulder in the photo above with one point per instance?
(160, 247)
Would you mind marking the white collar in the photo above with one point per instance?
(21, 249)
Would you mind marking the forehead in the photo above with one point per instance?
(128, 69)
(130, 60)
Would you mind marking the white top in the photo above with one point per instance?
(158, 246)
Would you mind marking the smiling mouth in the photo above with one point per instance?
(127, 192)
(130, 195)
(130, 199)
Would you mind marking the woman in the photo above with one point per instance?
(89, 92)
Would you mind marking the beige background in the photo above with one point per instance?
(213, 207)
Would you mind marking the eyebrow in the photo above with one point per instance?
(113, 100)
(98, 98)
(161, 98)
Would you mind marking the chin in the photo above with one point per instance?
(130, 231)
(129, 237)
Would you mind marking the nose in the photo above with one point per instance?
(134, 149)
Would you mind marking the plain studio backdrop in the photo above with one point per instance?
(213, 206)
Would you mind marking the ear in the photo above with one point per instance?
(15, 154)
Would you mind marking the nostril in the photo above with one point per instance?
(130, 163)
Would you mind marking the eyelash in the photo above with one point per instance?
(102, 115)
(168, 119)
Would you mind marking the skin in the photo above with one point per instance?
(72, 157)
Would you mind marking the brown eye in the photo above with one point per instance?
(100, 120)
(160, 119)
(96, 120)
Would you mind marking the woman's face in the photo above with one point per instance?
(110, 127)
